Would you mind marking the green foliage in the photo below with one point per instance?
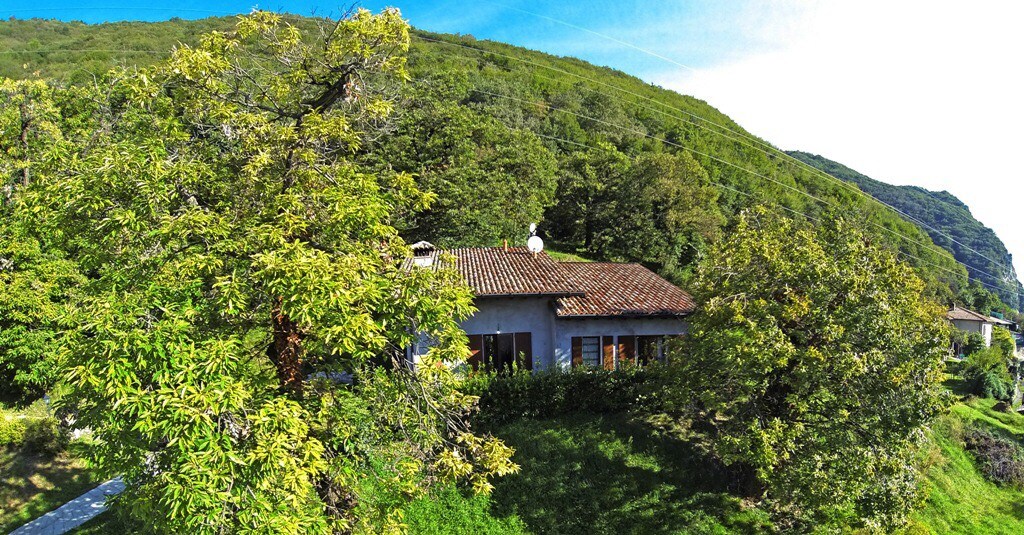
(986, 373)
(34, 281)
(969, 342)
(953, 228)
(655, 208)
(34, 433)
(785, 374)
(959, 498)
(1002, 340)
(489, 158)
(555, 392)
(236, 255)
(490, 181)
(449, 511)
(12, 430)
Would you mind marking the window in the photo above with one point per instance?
(496, 352)
(586, 351)
(650, 349)
(592, 350)
(640, 349)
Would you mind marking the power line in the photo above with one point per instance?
(795, 212)
(552, 108)
(788, 157)
(799, 162)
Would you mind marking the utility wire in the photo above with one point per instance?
(638, 132)
(945, 269)
(724, 162)
(757, 145)
(799, 162)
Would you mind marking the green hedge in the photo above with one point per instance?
(549, 393)
(32, 433)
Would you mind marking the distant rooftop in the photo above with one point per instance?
(962, 314)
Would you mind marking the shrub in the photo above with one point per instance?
(987, 375)
(999, 458)
(548, 393)
(973, 343)
(12, 430)
(43, 434)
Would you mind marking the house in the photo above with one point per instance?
(970, 321)
(542, 313)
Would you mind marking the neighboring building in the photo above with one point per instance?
(544, 313)
(970, 321)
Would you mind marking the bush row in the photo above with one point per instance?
(549, 393)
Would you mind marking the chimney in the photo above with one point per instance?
(506, 245)
(423, 254)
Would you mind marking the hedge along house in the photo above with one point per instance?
(541, 313)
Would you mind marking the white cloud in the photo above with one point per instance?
(923, 93)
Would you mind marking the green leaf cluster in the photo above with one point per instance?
(820, 383)
(229, 283)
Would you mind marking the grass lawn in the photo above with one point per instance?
(959, 498)
(593, 474)
(34, 483)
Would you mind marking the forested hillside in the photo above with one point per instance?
(610, 166)
(947, 220)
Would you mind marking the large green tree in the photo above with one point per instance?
(239, 346)
(816, 363)
(658, 208)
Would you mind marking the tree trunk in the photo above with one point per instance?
(286, 350)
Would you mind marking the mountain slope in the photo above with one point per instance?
(610, 166)
(952, 226)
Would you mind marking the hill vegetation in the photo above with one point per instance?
(239, 214)
(611, 167)
(950, 224)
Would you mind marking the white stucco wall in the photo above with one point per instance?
(552, 337)
(534, 315)
(976, 327)
(565, 329)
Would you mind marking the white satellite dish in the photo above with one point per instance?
(533, 229)
(535, 244)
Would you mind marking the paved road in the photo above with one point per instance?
(74, 513)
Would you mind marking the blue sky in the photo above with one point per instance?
(654, 26)
(922, 92)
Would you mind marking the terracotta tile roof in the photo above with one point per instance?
(494, 271)
(583, 288)
(963, 314)
(613, 289)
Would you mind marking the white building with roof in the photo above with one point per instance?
(542, 313)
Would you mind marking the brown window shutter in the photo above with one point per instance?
(577, 351)
(627, 348)
(476, 345)
(609, 352)
(524, 350)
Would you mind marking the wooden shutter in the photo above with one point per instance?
(627, 348)
(577, 351)
(609, 352)
(476, 346)
(524, 350)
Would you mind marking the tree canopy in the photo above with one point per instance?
(238, 334)
(822, 382)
